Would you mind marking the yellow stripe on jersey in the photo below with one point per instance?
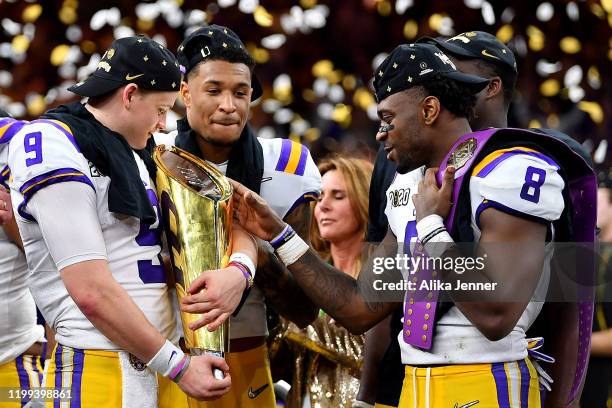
(294, 158)
(62, 124)
(492, 156)
(49, 178)
(4, 128)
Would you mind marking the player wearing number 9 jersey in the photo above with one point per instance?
(82, 184)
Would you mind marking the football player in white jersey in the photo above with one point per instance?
(217, 90)
(498, 65)
(478, 353)
(82, 184)
(22, 341)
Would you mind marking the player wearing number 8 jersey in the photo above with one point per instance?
(88, 214)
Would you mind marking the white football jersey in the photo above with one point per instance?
(18, 328)
(518, 181)
(290, 177)
(45, 152)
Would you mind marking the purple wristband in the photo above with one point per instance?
(179, 370)
(245, 271)
(283, 237)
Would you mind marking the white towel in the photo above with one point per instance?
(139, 383)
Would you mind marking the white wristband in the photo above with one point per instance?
(428, 225)
(431, 229)
(245, 260)
(166, 359)
(292, 250)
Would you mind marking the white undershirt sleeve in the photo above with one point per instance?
(67, 216)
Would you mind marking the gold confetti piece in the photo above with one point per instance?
(59, 54)
(312, 134)
(362, 98)
(435, 21)
(306, 4)
(570, 45)
(552, 120)
(594, 110)
(550, 87)
(536, 38)
(342, 114)
(262, 17)
(411, 29)
(505, 33)
(20, 43)
(349, 82)
(384, 8)
(31, 13)
(67, 15)
(261, 55)
(309, 96)
(322, 68)
(37, 106)
(598, 11)
(88, 47)
(145, 25)
(534, 123)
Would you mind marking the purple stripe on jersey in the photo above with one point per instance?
(46, 179)
(304, 198)
(525, 380)
(491, 166)
(24, 380)
(11, 131)
(77, 374)
(284, 156)
(58, 373)
(498, 206)
(61, 129)
(5, 121)
(501, 383)
(302, 163)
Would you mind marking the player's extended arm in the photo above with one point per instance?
(275, 281)
(340, 295)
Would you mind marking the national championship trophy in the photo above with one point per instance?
(196, 204)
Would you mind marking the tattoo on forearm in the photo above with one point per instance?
(277, 284)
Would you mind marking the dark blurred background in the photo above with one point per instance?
(316, 57)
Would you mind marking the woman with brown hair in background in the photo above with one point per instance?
(327, 357)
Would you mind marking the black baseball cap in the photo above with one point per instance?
(213, 42)
(136, 59)
(409, 65)
(476, 45)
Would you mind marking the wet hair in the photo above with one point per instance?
(454, 96)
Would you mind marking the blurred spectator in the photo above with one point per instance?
(327, 357)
